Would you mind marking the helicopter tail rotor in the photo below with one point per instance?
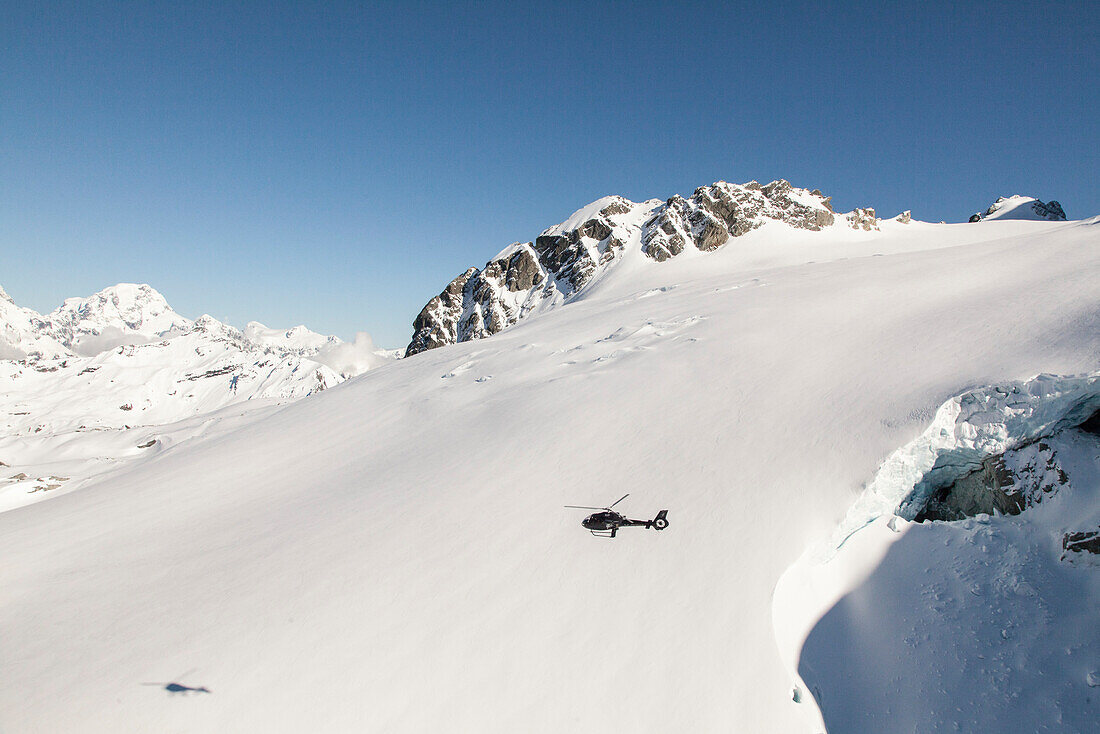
(661, 521)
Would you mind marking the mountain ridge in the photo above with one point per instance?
(529, 277)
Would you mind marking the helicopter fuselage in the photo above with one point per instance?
(610, 521)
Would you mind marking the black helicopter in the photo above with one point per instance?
(605, 524)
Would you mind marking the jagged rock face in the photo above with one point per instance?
(864, 219)
(1051, 210)
(1007, 483)
(722, 210)
(565, 258)
(437, 323)
(560, 262)
(1076, 544)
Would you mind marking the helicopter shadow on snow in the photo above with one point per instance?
(179, 689)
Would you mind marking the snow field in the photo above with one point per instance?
(392, 554)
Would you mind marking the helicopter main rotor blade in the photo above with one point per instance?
(583, 507)
(619, 500)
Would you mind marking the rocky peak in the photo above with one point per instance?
(5, 297)
(125, 310)
(526, 276)
(566, 258)
(723, 210)
(1022, 207)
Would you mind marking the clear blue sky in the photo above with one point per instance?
(337, 163)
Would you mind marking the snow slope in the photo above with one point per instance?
(392, 554)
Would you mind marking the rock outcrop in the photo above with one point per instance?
(1007, 484)
(1022, 207)
(525, 276)
(566, 258)
(862, 218)
(716, 213)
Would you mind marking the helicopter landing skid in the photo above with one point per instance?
(604, 533)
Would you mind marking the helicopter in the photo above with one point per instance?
(606, 523)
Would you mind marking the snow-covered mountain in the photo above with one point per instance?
(527, 278)
(25, 332)
(122, 314)
(392, 554)
(1022, 207)
(120, 375)
(297, 340)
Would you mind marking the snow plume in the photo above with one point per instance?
(351, 358)
(9, 351)
(89, 345)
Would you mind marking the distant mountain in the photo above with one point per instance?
(122, 314)
(25, 332)
(77, 382)
(298, 339)
(1022, 207)
(529, 277)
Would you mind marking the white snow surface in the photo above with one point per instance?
(592, 210)
(392, 554)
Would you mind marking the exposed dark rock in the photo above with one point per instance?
(210, 373)
(1092, 425)
(437, 322)
(711, 233)
(995, 488)
(1051, 210)
(523, 271)
(715, 214)
(905, 217)
(596, 229)
(982, 491)
(1085, 541)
